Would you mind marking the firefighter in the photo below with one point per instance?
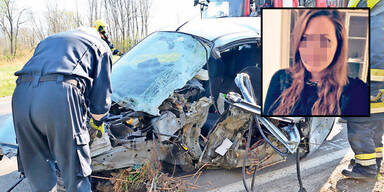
(100, 26)
(68, 72)
(365, 133)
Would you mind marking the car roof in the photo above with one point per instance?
(223, 30)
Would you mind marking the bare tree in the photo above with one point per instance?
(94, 11)
(53, 17)
(29, 36)
(38, 28)
(128, 21)
(79, 21)
(59, 20)
(144, 7)
(10, 21)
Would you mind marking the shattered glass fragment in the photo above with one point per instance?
(144, 77)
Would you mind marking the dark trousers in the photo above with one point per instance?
(50, 126)
(365, 134)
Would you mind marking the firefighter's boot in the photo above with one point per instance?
(378, 163)
(361, 172)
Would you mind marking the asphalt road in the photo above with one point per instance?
(316, 169)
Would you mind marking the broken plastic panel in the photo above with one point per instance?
(144, 77)
(320, 127)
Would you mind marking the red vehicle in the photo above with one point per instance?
(228, 8)
(310, 3)
(286, 3)
(245, 8)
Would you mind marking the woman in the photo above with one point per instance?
(317, 83)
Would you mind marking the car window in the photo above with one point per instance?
(233, 60)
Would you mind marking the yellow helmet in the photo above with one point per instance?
(99, 25)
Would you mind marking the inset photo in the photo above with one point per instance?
(315, 62)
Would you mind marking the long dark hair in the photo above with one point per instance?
(335, 75)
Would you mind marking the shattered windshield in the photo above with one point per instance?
(223, 8)
(144, 77)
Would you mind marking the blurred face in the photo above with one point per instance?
(318, 44)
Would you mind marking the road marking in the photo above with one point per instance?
(287, 171)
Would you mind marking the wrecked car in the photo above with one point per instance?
(176, 94)
(190, 97)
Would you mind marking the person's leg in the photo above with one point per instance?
(360, 137)
(67, 133)
(378, 137)
(377, 62)
(33, 146)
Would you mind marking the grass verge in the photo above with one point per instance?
(8, 79)
(8, 66)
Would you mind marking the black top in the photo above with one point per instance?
(79, 53)
(354, 99)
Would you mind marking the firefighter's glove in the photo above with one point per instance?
(98, 125)
(116, 52)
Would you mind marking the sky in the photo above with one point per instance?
(172, 12)
(163, 13)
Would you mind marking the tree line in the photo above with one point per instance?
(127, 21)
